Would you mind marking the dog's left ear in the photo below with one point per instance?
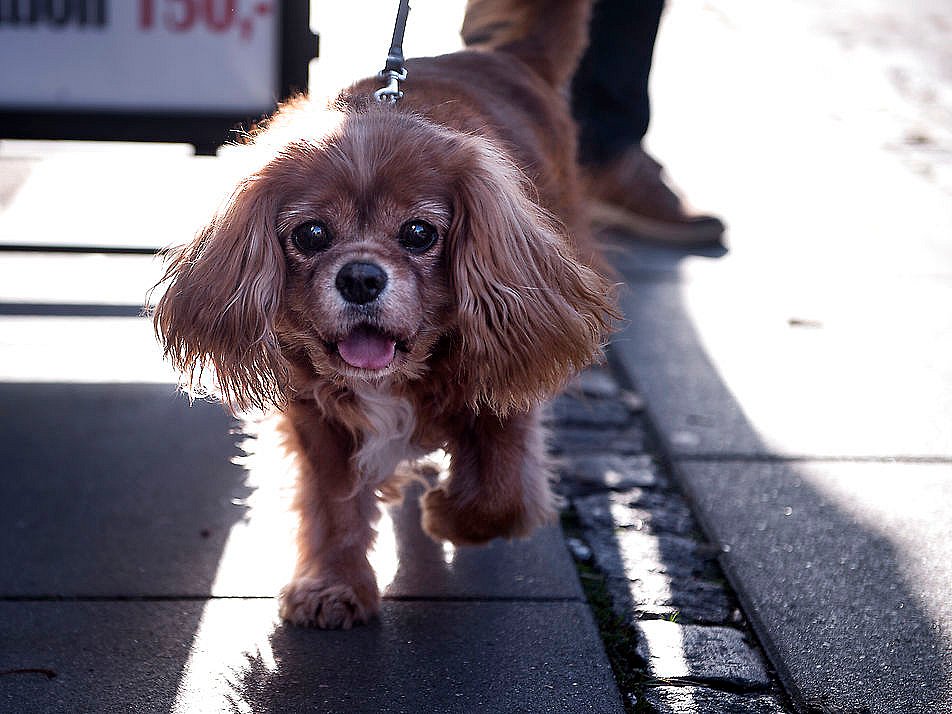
(530, 313)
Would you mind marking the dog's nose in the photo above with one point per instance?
(360, 283)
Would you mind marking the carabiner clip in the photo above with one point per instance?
(391, 92)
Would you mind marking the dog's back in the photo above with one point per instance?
(548, 35)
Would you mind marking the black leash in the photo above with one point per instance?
(394, 71)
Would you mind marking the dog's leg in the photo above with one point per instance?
(333, 585)
(498, 484)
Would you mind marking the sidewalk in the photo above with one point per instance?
(801, 382)
(139, 568)
(799, 386)
(142, 548)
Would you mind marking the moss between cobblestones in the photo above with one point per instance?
(617, 636)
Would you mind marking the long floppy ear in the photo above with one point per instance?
(530, 313)
(219, 308)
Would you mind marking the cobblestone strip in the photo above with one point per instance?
(677, 640)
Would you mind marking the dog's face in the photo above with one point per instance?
(366, 292)
(369, 252)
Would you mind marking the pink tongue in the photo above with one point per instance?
(366, 348)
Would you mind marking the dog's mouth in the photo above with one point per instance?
(368, 348)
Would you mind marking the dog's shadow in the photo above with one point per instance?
(426, 569)
(436, 599)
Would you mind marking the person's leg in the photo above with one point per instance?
(611, 105)
(610, 88)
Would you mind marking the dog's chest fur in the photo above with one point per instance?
(388, 440)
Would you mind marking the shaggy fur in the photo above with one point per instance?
(472, 333)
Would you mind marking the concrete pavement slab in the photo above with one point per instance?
(132, 542)
(61, 349)
(844, 571)
(87, 279)
(113, 490)
(230, 655)
(147, 502)
(840, 566)
(733, 366)
(136, 196)
(822, 332)
(830, 145)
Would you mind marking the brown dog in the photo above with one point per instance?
(401, 278)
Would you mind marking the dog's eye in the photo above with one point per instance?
(311, 237)
(418, 236)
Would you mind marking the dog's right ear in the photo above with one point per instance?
(221, 301)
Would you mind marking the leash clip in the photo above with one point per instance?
(393, 71)
(390, 93)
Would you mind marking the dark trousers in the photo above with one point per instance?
(610, 89)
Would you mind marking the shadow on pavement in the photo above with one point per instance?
(478, 629)
(828, 595)
(114, 511)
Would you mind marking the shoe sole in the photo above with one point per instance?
(706, 232)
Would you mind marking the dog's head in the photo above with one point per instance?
(374, 250)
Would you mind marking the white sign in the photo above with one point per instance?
(140, 55)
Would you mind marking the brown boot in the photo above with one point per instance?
(631, 193)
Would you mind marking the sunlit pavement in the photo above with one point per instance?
(802, 383)
(142, 547)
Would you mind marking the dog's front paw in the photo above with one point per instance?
(474, 523)
(330, 604)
